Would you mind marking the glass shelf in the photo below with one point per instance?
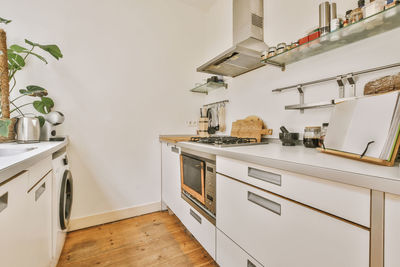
(379, 23)
(207, 87)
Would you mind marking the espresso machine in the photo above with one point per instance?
(48, 131)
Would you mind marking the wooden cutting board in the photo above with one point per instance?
(251, 127)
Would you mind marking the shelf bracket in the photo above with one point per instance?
(301, 94)
(276, 64)
(352, 82)
(340, 82)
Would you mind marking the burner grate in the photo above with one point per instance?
(223, 140)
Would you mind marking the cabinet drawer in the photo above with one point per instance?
(39, 226)
(199, 227)
(280, 232)
(349, 202)
(231, 255)
(38, 171)
(13, 221)
(392, 230)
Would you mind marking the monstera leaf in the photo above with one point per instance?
(44, 106)
(41, 120)
(52, 49)
(5, 21)
(15, 61)
(22, 50)
(34, 90)
(4, 124)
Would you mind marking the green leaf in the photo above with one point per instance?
(20, 49)
(41, 120)
(44, 106)
(37, 55)
(34, 90)
(5, 21)
(4, 124)
(15, 60)
(17, 48)
(52, 49)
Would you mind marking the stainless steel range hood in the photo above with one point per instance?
(248, 40)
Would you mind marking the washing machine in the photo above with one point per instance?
(62, 201)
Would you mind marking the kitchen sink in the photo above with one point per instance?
(7, 152)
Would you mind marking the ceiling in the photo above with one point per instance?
(205, 5)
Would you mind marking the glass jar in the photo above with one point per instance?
(294, 45)
(324, 130)
(311, 136)
(281, 48)
(271, 52)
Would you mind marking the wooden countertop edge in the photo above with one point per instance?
(175, 139)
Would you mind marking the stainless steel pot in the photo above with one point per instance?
(28, 130)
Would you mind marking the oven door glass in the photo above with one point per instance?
(192, 172)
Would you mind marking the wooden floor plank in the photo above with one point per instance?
(156, 239)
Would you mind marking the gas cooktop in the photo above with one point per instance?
(226, 141)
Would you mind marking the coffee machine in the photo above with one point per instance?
(48, 131)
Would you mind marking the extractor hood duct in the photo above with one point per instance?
(248, 41)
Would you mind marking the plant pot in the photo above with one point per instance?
(11, 132)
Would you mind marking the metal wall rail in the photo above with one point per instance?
(216, 103)
(337, 77)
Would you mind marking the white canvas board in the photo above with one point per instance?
(338, 125)
(371, 121)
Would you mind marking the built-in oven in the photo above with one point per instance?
(198, 179)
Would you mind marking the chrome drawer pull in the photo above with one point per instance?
(250, 264)
(40, 191)
(269, 177)
(265, 203)
(3, 202)
(195, 216)
(175, 149)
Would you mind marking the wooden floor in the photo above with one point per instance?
(156, 239)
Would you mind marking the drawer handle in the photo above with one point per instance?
(265, 203)
(269, 177)
(195, 216)
(250, 264)
(40, 191)
(3, 201)
(175, 149)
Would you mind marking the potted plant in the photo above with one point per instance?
(12, 60)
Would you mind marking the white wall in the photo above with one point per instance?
(124, 79)
(250, 94)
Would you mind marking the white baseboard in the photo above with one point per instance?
(112, 216)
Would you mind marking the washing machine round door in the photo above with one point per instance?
(66, 195)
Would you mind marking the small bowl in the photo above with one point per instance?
(289, 139)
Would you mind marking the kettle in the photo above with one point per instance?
(48, 131)
(28, 130)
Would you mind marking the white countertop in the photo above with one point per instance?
(311, 162)
(12, 165)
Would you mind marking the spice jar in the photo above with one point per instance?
(311, 136)
(356, 15)
(347, 21)
(294, 45)
(271, 52)
(264, 55)
(324, 130)
(281, 48)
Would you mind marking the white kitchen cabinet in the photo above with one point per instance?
(280, 233)
(230, 254)
(199, 227)
(14, 222)
(38, 223)
(171, 179)
(345, 201)
(392, 230)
